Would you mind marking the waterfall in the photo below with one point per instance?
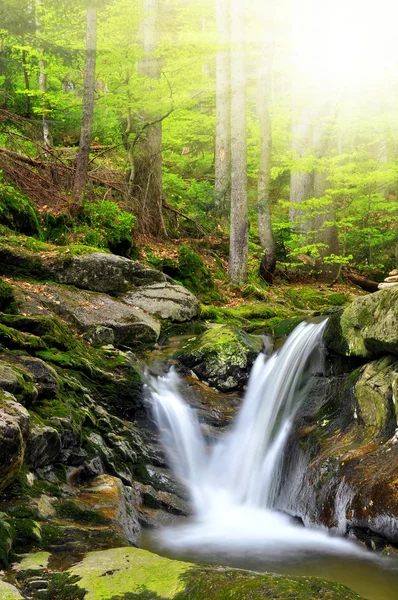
(243, 468)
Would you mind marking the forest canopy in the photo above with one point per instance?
(271, 122)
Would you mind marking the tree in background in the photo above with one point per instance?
(146, 188)
(239, 232)
(83, 156)
(222, 187)
(268, 262)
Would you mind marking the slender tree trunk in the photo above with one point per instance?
(222, 188)
(301, 182)
(239, 231)
(267, 241)
(28, 112)
(323, 223)
(88, 109)
(146, 183)
(47, 139)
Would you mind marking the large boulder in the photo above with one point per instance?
(368, 327)
(14, 432)
(222, 356)
(133, 572)
(85, 311)
(102, 272)
(341, 466)
(165, 300)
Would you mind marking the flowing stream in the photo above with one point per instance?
(234, 483)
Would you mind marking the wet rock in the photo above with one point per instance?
(14, 431)
(165, 300)
(164, 500)
(222, 356)
(44, 447)
(107, 496)
(86, 311)
(340, 469)
(367, 328)
(102, 272)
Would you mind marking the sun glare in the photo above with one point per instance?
(345, 43)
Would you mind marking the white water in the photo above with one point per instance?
(241, 469)
(234, 484)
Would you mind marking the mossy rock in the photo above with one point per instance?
(368, 327)
(9, 592)
(222, 356)
(130, 573)
(8, 303)
(17, 212)
(7, 537)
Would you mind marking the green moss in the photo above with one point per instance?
(7, 537)
(70, 511)
(286, 326)
(223, 584)
(123, 570)
(16, 210)
(8, 303)
(133, 574)
(50, 329)
(13, 339)
(35, 561)
(8, 592)
(27, 534)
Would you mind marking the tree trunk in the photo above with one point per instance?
(146, 179)
(239, 231)
(267, 241)
(301, 182)
(222, 188)
(28, 112)
(47, 139)
(88, 109)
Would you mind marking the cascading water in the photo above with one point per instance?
(234, 483)
(242, 469)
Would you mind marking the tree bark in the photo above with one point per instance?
(88, 109)
(222, 187)
(301, 182)
(268, 262)
(47, 139)
(239, 231)
(146, 180)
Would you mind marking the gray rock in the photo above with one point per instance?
(14, 431)
(100, 336)
(43, 375)
(102, 272)
(86, 311)
(165, 300)
(44, 447)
